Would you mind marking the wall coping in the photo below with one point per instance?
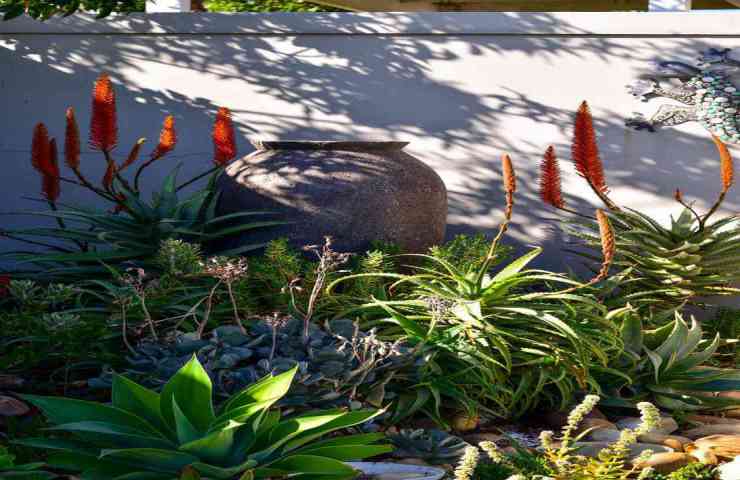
(651, 24)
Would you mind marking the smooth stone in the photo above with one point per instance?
(667, 424)
(601, 430)
(592, 449)
(704, 456)
(730, 89)
(707, 79)
(711, 419)
(724, 446)
(730, 471)
(12, 407)
(414, 461)
(674, 441)
(476, 438)
(464, 423)
(716, 429)
(666, 462)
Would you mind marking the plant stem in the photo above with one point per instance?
(198, 177)
(236, 310)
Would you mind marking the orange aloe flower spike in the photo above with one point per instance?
(167, 138)
(585, 150)
(725, 163)
(40, 150)
(509, 184)
(72, 142)
(608, 248)
(224, 143)
(50, 185)
(103, 125)
(550, 189)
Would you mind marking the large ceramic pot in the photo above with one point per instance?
(356, 192)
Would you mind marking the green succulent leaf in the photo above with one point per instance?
(192, 389)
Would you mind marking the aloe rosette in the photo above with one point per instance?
(177, 434)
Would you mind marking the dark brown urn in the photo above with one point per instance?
(355, 192)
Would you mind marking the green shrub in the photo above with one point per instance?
(266, 6)
(144, 434)
(503, 342)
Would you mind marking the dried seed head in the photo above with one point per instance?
(678, 196)
(550, 190)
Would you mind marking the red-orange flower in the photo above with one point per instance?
(585, 150)
(224, 143)
(72, 141)
(103, 125)
(50, 180)
(550, 190)
(40, 150)
(167, 138)
(725, 164)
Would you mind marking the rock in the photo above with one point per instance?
(674, 441)
(712, 420)
(667, 424)
(724, 446)
(704, 456)
(476, 438)
(414, 461)
(556, 420)
(358, 192)
(12, 407)
(591, 449)
(11, 381)
(464, 423)
(730, 471)
(666, 462)
(716, 429)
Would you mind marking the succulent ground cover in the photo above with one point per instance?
(133, 348)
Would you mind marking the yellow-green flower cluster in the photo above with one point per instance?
(466, 468)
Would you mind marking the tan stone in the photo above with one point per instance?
(711, 420)
(674, 441)
(724, 446)
(465, 423)
(600, 430)
(703, 456)
(476, 438)
(666, 462)
(716, 429)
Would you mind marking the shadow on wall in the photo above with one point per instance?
(337, 88)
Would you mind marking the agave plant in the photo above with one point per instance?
(501, 341)
(666, 366)
(695, 257)
(132, 231)
(433, 446)
(26, 471)
(178, 433)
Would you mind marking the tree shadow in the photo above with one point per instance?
(460, 99)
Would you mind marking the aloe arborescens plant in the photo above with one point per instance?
(695, 257)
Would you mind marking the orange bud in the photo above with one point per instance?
(725, 164)
(72, 141)
(167, 138)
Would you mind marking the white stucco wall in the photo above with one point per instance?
(462, 88)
